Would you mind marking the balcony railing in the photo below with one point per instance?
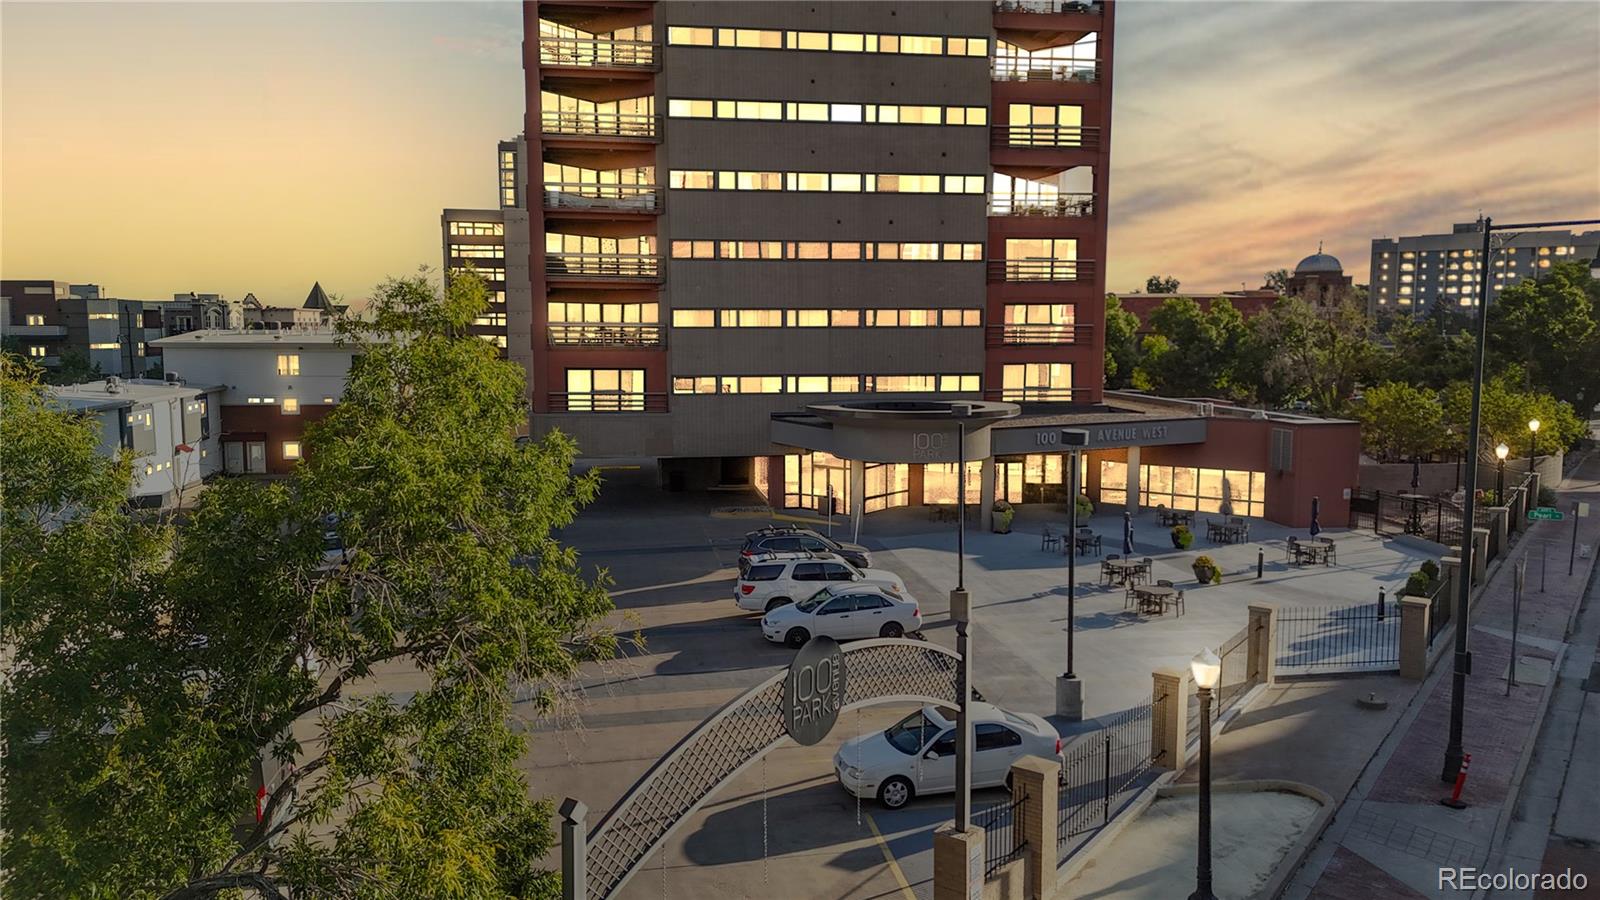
(608, 402)
(581, 196)
(621, 266)
(1047, 137)
(596, 335)
(1022, 68)
(1075, 206)
(597, 53)
(633, 126)
(1024, 335)
(1025, 270)
(1046, 6)
(35, 330)
(1038, 395)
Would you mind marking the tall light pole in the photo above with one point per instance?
(1533, 444)
(1500, 453)
(1069, 690)
(1207, 669)
(961, 612)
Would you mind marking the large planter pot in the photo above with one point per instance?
(1204, 574)
(1002, 522)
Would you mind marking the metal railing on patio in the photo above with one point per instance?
(1022, 68)
(1024, 270)
(592, 335)
(645, 198)
(1441, 606)
(636, 266)
(598, 124)
(1018, 335)
(1073, 206)
(1003, 839)
(1047, 137)
(597, 53)
(1236, 681)
(1326, 639)
(1046, 6)
(1037, 395)
(607, 402)
(1388, 512)
(1098, 768)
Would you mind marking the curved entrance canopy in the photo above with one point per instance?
(886, 670)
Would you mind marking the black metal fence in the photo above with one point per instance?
(1235, 681)
(1338, 638)
(1440, 607)
(1098, 768)
(1399, 513)
(1003, 839)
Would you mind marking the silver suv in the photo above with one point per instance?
(777, 579)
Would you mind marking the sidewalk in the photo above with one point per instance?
(1391, 837)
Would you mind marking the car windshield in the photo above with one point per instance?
(909, 734)
(813, 601)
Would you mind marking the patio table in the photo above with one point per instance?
(1124, 570)
(1154, 598)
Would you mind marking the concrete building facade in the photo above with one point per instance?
(47, 318)
(1414, 275)
(171, 429)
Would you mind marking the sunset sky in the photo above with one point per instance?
(233, 147)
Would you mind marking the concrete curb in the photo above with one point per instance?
(1296, 854)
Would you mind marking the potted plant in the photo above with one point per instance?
(1182, 537)
(1206, 571)
(1085, 508)
(1004, 512)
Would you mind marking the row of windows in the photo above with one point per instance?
(823, 384)
(290, 406)
(643, 32)
(458, 229)
(102, 316)
(834, 41)
(478, 251)
(109, 345)
(870, 113)
(487, 273)
(922, 251)
(34, 319)
(563, 174)
(836, 182)
(643, 245)
(556, 105)
(1468, 254)
(604, 313)
(826, 318)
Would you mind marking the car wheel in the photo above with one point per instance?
(891, 630)
(796, 638)
(895, 793)
(776, 602)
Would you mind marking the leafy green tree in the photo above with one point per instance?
(1315, 355)
(1122, 343)
(1161, 284)
(1431, 351)
(74, 368)
(1401, 422)
(1277, 280)
(1194, 352)
(158, 664)
(1506, 409)
(1550, 327)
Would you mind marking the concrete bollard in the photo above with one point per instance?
(1414, 638)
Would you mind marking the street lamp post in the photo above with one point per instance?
(1207, 669)
(961, 612)
(1533, 443)
(1069, 690)
(1500, 453)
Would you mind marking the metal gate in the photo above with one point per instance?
(1325, 639)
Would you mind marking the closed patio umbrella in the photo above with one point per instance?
(1127, 533)
(1316, 510)
(1416, 475)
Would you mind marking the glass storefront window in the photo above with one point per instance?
(807, 477)
(888, 485)
(939, 483)
(1232, 492)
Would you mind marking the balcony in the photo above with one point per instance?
(1041, 270)
(1046, 7)
(44, 331)
(1071, 206)
(1036, 335)
(1039, 395)
(597, 53)
(563, 335)
(1046, 137)
(607, 198)
(602, 267)
(1021, 68)
(640, 127)
(608, 402)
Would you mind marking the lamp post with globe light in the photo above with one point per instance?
(1500, 453)
(1207, 670)
(1533, 443)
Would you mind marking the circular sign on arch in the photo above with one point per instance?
(813, 691)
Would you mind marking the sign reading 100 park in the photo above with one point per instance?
(813, 691)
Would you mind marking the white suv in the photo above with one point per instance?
(777, 579)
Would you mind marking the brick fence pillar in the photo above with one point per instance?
(1498, 536)
(1039, 780)
(1480, 554)
(1414, 626)
(1262, 643)
(957, 862)
(1169, 718)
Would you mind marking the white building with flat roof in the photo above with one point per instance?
(170, 428)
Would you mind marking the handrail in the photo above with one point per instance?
(1036, 394)
(602, 265)
(604, 335)
(1072, 137)
(596, 53)
(1019, 334)
(589, 195)
(1044, 68)
(607, 401)
(1047, 6)
(1041, 270)
(1060, 205)
(598, 124)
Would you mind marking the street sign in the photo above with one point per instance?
(1548, 513)
(813, 691)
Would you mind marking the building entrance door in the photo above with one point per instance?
(233, 457)
(255, 453)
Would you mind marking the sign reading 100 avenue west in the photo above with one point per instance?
(813, 691)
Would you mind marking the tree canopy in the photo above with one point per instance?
(1161, 284)
(1401, 422)
(1122, 343)
(1193, 352)
(159, 663)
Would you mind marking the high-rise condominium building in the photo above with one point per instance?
(1418, 274)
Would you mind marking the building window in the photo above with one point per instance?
(694, 318)
(605, 390)
(291, 450)
(888, 485)
(1041, 259)
(1036, 381)
(288, 364)
(604, 313)
(838, 182)
(1230, 492)
(852, 251)
(477, 228)
(1044, 126)
(37, 351)
(35, 319)
(111, 345)
(807, 478)
(939, 483)
(291, 406)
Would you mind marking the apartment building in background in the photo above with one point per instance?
(267, 385)
(169, 428)
(1414, 275)
(44, 319)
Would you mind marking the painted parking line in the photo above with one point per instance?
(888, 857)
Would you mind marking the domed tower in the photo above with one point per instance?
(1319, 279)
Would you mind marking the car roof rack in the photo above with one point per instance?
(789, 555)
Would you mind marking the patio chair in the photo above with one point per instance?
(1213, 530)
(1177, 603)
(1087, 539)
(1049, 539)
(1145, 569)
(1333, 550)
(1291, 550)
(1105, 567)
(1164, 583)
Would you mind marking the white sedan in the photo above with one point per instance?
(917, 755)
(843, 611)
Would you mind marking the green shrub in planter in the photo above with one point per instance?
(1417, 585)
(1206, 570)
(1430, 569)
(1004, 512)
(1085, 507)
(1182, 537)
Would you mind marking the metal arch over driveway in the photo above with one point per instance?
(884, 670)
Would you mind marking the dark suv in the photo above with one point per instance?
(777, 539)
